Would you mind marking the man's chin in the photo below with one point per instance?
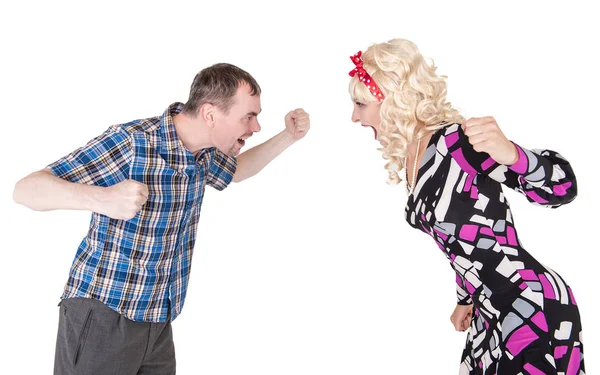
(234, 151)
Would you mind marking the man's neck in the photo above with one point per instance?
(192, 132)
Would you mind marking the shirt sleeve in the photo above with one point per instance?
(222, 168)
(544, 177)
(103, 161)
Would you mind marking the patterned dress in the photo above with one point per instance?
(525, 318)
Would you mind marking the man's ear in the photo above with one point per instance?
(207, 113)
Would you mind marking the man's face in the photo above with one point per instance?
(233, 128)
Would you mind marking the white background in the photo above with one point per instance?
(308, 268)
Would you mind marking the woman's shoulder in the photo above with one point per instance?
(446, 134)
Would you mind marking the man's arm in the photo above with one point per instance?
(43, 191)
(249, 163)
(94, 177)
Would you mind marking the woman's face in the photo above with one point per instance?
(368, 115)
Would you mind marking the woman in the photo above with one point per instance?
(522, 315)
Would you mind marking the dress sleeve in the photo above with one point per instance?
(463, 297)
(544, 177)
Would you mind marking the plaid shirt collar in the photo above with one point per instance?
(171, 148)
(168, 136)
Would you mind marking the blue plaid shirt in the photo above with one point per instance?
(140, 267)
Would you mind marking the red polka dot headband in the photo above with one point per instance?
(364, 77)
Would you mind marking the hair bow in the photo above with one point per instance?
(364, 77)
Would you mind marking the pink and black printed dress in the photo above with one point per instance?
(525, 318)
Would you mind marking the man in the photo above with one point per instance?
(144, 182)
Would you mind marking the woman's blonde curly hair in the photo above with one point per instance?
(414, 98)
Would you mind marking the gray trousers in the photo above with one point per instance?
(94, 339)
